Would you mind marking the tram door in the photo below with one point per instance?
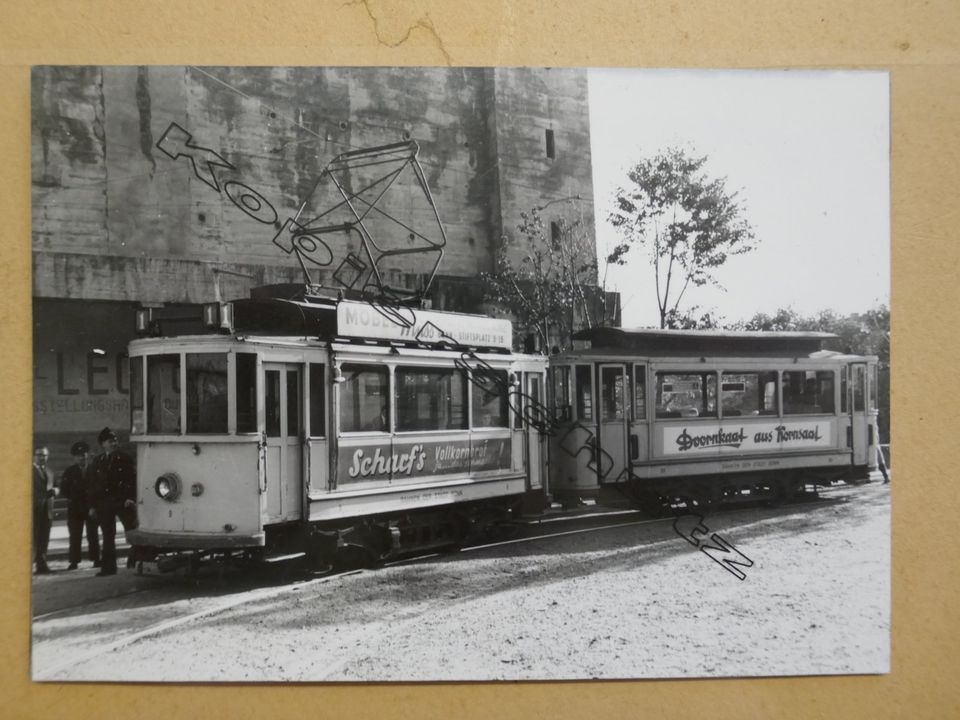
(283, 417)
(536, 453)
(859, 417)
(612, 453)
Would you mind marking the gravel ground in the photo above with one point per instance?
(632, 602)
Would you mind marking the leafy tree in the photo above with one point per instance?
(689, 223)
(547, 284)
(866, 333)
(689, 320)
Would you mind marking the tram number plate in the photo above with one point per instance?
(749, 464)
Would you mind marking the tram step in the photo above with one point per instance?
(284, 558)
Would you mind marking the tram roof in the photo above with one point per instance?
(720, 342)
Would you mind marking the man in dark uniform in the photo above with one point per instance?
(43, 493)
(73, 488)
(111, 491)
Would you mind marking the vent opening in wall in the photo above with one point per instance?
(551, 147)
(555, 233)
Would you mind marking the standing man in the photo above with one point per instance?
(73, 488)
(43, 493)
(112, 491)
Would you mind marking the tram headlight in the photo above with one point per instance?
(168, 487)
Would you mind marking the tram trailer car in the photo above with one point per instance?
(699, 417)
(308, 424)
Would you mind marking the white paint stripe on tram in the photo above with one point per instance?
(249, 597)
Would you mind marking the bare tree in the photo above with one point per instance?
(548, 284)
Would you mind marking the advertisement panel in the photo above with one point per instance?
(714, 438)
(369, 320)
(401, 460)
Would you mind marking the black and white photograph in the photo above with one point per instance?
(392, 374)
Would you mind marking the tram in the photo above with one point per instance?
(700, 417)
(300, 422)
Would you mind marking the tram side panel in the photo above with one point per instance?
(417, 432)
(215, 498)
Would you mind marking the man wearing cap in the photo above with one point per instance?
(43, 494)
(112, 491)
(73, 488)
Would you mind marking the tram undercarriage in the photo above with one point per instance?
(360, 542)
(709, 492)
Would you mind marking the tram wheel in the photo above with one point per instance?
(354, 557)
(652, 504)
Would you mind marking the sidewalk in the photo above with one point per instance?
(59, 547)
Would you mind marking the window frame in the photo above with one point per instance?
(564, 408)
(324, 412)
(234, 361)
(378, 366)
(639, 376)
(591, 379)
(817, 371)
(452, 370)
(141, 362)
(626, 401)
(705, 375)
(185, 393)
(775, 373)
(181, 384)
(505, 399)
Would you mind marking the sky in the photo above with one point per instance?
(808, 152)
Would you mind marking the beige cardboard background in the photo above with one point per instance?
(919, 42)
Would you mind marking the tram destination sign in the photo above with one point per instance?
(747, 437)
(365, 320)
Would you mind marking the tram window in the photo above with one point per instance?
(807, 392)
(293, 403)
(748, 393)
(584, 378)
(430, 399)
(517, 400)
(365, 399)
(489, 392)
(561, 391)
(271, 404)
(206, 392)
(843, 389)
(612, 394)
(682, 395)
(246, 392)
(859, 380)
(136, 396)
(873, 387)
(639, 392)
(825, 385)
(163, 394)
(318, 415)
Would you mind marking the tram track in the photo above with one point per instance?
(608, 521)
